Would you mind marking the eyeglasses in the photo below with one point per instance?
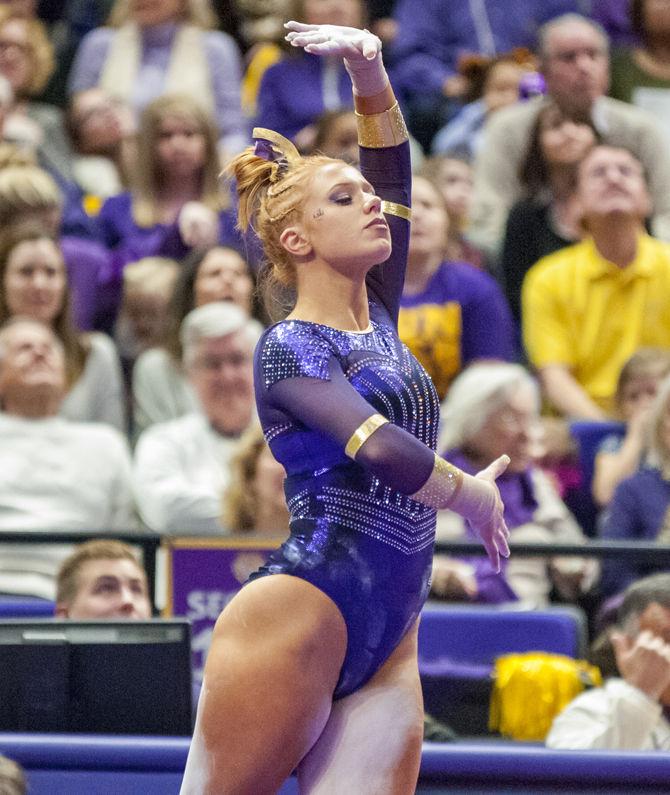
(216, 363)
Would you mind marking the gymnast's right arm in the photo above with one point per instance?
(396, 457)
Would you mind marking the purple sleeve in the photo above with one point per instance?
(492, 587)
(423, 57)
(90, 57)
(621, 523)
(488, 328)
(389, 172)
(271, 112)
(224, 61)
(433, 34)
(323, 400)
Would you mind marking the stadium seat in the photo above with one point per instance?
(588, 435)
(458, 646)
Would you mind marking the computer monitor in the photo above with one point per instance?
(111, 677)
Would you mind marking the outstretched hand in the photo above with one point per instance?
(350, 43)
(489, 524)
(360, 49)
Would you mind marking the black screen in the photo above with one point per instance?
(130, 677)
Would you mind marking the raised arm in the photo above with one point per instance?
(383, 141)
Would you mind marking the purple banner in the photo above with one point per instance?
(203, 576)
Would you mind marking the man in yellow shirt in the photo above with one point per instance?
(588, 307)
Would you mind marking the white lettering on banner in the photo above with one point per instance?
(207, 605)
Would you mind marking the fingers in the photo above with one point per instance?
(333, 40)
(299, 26)
(497, 467)
(502, 536)
(620, 642)
(493, 553)
(370, 47)
(495, 543)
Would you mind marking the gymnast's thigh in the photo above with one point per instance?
(275, 659)
(371, 744)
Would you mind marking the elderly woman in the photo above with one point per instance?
(493, 407)
(640, 509)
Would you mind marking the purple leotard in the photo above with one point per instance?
(355, 533)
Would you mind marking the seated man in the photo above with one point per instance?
(55, 474)
(630, 711)
(102, 579)
(574, 59)
(181, 466)
(588, 307)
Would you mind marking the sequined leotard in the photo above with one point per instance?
(355, 533)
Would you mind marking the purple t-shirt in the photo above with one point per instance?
(127, 242)
(459, 317)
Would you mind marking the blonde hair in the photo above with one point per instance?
(40, 48)
(645, 361)
(239, 501)
(270, 199)
(100, 549)
(146, 178)
(196, 12)
(150, 276)
(13, 155)
(26, 189)
(658, 450)
(429, 178)
(76, 345)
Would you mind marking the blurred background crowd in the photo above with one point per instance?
(537, 292)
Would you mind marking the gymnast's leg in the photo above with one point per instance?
(275, 658)
(371, 744)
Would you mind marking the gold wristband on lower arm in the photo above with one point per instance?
(442, 486)
(363, 433)
(393, 208)
(379, 130)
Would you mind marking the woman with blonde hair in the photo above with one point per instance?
(27, 62)
(29, 194)
(151, 49)
(34, 284)
(175, 203)
(323, 638)
(254, 502)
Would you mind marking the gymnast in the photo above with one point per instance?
(313, 664)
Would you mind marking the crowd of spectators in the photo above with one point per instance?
(538, 281)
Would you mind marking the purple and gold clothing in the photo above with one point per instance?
(459, 317)
(128, 242)
(356, 534)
